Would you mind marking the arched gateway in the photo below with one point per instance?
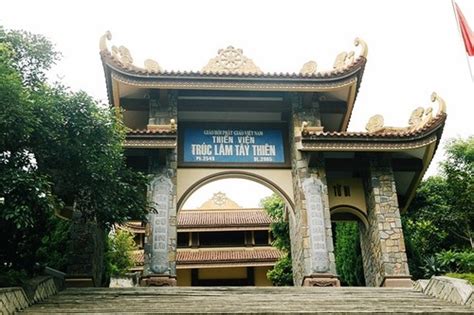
(288, 131)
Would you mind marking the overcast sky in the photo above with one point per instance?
(414, 45)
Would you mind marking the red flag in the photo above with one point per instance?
(467, 34)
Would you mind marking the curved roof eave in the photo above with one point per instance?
(291, 82)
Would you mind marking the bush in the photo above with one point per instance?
(12, 278)
(281, 274)
(457, 262)
(448, 261)
(431, 267)
(119, 253)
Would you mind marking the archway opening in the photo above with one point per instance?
(347, 223)
(223, 233)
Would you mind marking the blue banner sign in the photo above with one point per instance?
(233, 145)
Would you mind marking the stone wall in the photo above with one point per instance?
(15, 299)
(382, 243)
(453, 290)
(310, 260)
(161, 231)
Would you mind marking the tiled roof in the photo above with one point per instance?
(200, 256)
(437, 121)
(212, 256)
(237, 217)
(357, 64)
(151, 132)
(138, 257)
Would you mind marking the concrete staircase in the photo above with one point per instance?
(271, 300)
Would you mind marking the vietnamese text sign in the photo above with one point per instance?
(233, 145)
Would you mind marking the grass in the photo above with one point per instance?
(466, 276)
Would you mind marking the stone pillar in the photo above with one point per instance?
(382, 243)
(85, 264)
(161, 231)
(310, 225)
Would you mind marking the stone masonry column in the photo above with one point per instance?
(382, 243)
(310, 227)
(161, 230)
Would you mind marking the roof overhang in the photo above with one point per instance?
(124, 79)
(411, 151)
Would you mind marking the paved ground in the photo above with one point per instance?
(221, 300)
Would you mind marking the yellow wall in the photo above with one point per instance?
(183, 277)
(261, 279)
(223, 273)
(357, 198)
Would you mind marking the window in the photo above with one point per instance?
(221, 239)
(261, 237)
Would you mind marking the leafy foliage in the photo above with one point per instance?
(449, 261)
(33, 55)
(119, 258)
(441, 215)
(53, 250)
(348, 254)
(56, 147)
(458, 170)
(453, 261)
(282, 273)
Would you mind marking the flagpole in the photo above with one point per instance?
(460, 32)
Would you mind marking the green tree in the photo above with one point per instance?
(348, 253)
(282, 273)
(56, 146)
(34, 55)
(119, 258)
(458, 170)
(441, 214)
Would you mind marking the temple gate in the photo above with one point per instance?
(287, 131)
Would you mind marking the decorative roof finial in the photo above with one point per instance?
(345, 59)
(123, 55)
(309, 68)
(231, 60)
(418, 118)
(103, 41)
(441, 103)
(363, 45)
(151, 65)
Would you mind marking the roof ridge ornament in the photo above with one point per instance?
(441, 103)
(345, 59)
(103, 41)
(309, 68)
(122, 54)
(418, 118)
(364, 49)
(231, 60)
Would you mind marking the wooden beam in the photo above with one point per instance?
(398, 165)
(232, 105)
(134, 103)
(332, 107)
(407, 165)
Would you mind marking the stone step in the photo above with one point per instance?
(225, 300)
